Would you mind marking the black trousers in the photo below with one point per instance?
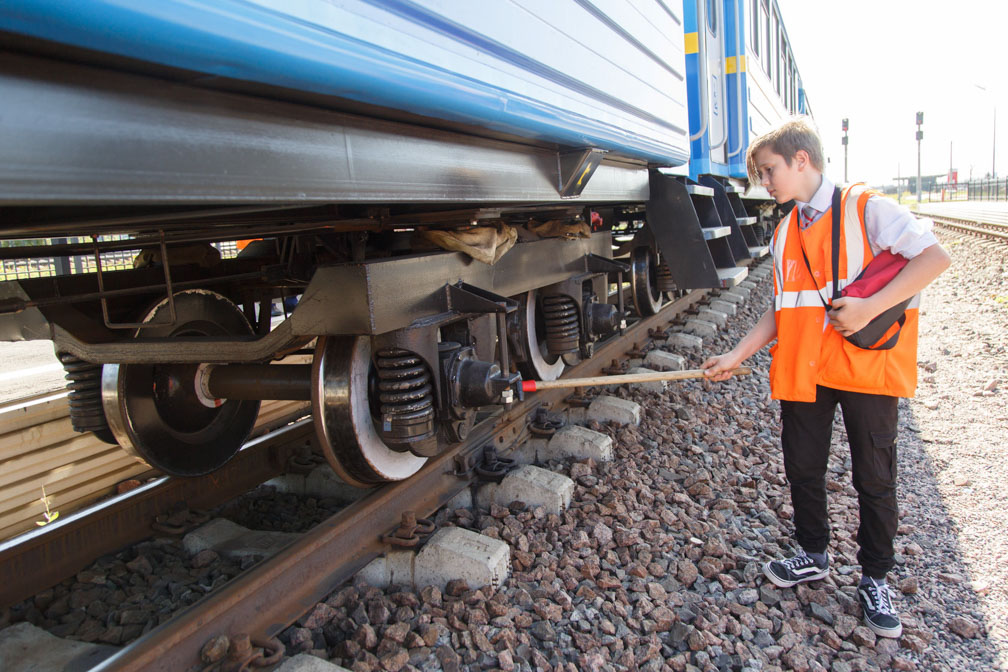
(806, 430)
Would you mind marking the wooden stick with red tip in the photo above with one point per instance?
(623, 379)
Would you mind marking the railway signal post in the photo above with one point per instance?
(844, 141)
(920, 135)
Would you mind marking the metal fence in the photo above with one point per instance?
(975, 190)
(44, 267)
(987, 190)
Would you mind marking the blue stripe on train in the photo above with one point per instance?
(250, 42)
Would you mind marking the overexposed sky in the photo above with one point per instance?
(877, 63)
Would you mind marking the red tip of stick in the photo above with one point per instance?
(528, 386)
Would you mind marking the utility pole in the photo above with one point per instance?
(920, 135)
(845, 151)
(994, 146)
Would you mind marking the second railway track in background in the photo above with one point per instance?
(983, 229)
(984, 220)
(277, 591)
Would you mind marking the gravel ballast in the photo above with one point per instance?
(656, 563)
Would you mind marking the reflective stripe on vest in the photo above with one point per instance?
(809, 351)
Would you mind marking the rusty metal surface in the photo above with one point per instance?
(34, 561)
(266, 599)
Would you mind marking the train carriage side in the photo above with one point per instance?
(564, 73)
(376, 147)
(775, 92)
(774, 83)
(711, 47)
(742, 81)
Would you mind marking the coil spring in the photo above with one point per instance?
(406, 398)
(560, 314)
(84, 384)
(665, 281)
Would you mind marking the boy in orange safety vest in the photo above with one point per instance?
(814, 368)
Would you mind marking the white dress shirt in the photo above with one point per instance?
(889, 225)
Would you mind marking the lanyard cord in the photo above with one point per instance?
(835, 215)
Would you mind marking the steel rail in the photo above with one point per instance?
(974, 221)
(967, 228)
(270, 596)
(42, 558)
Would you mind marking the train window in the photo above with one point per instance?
(792, 76)
(765, 28)
(712, 23)
(794, 87)
(778, 36)
(755, 28)
(785, 80)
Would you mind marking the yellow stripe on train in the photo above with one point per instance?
(730, 64)
(692, 46)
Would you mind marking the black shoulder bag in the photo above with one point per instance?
(874, 330)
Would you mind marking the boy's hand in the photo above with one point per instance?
(850, 314)
(719, 367)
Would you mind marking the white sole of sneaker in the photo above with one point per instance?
(783, 583)
(892, 633)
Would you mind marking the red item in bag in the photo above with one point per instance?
(876, 275)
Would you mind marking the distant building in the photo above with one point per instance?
(928, 182)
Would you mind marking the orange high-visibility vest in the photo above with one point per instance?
(809, 351)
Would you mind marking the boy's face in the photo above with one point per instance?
(783, 182)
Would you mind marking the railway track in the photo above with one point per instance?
(41, 451)
(273, 594)
(984, 220)
(279, 590)
(983, 229)
(34, 561)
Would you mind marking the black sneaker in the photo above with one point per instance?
(794, 570)
(879, 614)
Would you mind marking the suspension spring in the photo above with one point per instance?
(665, 281)
(84, 383)
(560, 315)
(406, 399)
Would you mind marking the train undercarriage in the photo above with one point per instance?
(407, 347)
(409, 344)
(171, 361)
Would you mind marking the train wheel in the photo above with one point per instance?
(540, 365)
(644, 281)
(341, 377)
(155, 411)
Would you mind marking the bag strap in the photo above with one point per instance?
(891, 343)
(835, 215)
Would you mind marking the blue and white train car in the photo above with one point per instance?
(596, 74)
(742, 80)
(374, 149)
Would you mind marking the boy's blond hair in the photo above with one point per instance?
(786, 140)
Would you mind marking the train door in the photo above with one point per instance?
(718, 114)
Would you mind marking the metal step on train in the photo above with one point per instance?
(703, 230)
(753, 230)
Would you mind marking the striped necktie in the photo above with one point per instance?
(808, 213)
